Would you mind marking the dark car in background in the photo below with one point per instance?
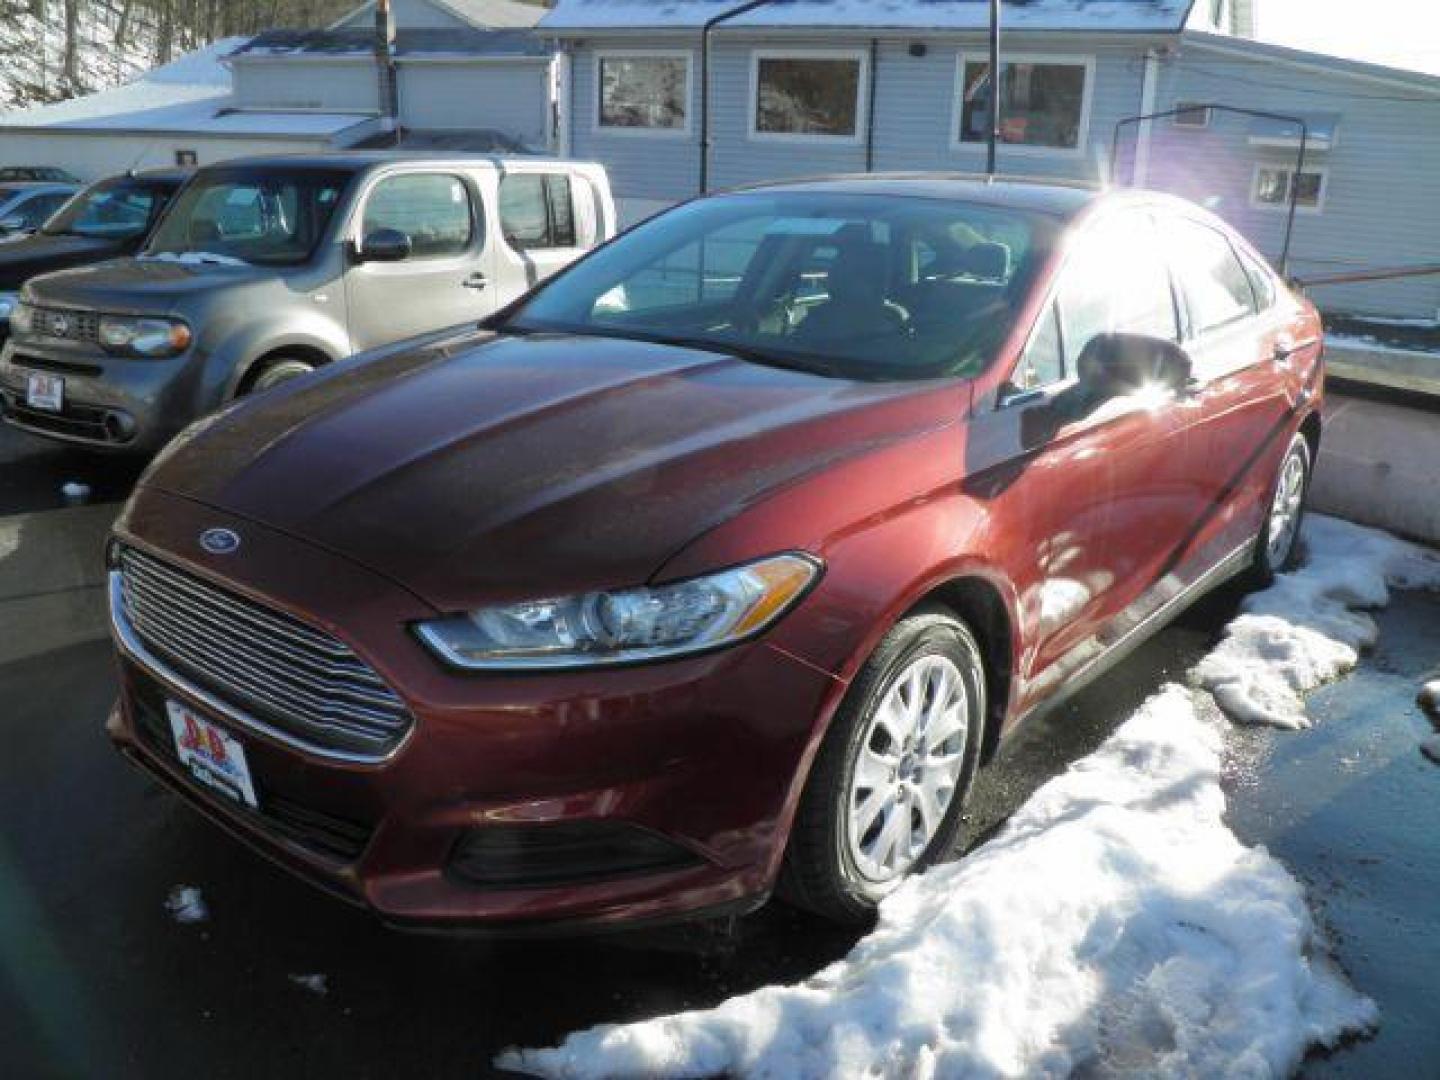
(30, 174)
(25, 207)
(108, 219)
(718, 563)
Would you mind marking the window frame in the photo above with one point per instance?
(603, 130)
(1323, 171)
(479, 222)
(862, 96)
(1087, 103)
(1187, 108)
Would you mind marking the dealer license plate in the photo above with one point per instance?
(214, 757)
(45, 391)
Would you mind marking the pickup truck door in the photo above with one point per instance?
(444, 282)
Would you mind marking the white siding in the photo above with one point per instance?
(508, 96)
(294, 82)
(93, 155)
(1382, 184)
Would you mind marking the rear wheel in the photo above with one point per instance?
(274, 371)
(885, 795)
(1276, 548)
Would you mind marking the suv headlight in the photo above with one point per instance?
(599, 629)
(8, 302)
(144, 337)
(22, 317)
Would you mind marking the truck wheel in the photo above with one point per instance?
(885, 795)
(274, 371)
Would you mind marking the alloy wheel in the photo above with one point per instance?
(1285, 510)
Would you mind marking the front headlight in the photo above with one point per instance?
(144, 337)
(627, 626)
(22, 317)
(8, 303)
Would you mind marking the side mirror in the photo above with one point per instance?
(1114, 365)
(384, 245)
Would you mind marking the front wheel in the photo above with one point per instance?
(1276, 547)
(275, 371)
(885, 795)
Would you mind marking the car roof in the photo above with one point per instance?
(361, 160)
(1062, 198)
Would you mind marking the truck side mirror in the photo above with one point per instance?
(384, 245)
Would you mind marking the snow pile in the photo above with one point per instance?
(319, 985)
(186, 905)
(1115, 926)
(1304, 631)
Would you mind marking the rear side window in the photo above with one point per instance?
(432, 209)
(537, 210)
(1215, 286)
(1262, 281)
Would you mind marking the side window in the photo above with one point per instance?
(1044, 359)
(1117, 282)
(432, 209)
(1262, 281)
(34, 212)
(1215, 286)
(537, 210)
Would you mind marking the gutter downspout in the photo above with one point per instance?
(870, 107)
(1147, 106)
(995, 80)
(705, 32)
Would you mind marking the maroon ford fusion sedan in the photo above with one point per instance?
(718, 564)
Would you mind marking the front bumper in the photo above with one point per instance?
(705, 754)
(110, 403)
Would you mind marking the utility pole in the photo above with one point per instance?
(994, 88)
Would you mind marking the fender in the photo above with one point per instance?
(235, 356)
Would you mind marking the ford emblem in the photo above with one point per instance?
(219, 541)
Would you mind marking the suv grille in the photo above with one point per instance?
(300, 680)
(67, 324)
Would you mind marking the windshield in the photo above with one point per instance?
(263, 216)
(114, 210)
(865, 287)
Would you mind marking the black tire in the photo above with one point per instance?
(273, 371)
(1267, 562)
(820, 873)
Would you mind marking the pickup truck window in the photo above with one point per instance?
(117, 210)
(432, 209)
(537, 210)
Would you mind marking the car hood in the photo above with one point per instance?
(531, 466)
(22, 259)
(140, 284)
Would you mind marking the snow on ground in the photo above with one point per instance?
(186, 905)
(1115, 927)
(1305, 630)
(1431, 748)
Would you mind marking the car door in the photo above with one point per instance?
(548, 219)
(1241, 346)
(442, 283)
(1102, 492)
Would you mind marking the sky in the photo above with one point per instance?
(1401, 33)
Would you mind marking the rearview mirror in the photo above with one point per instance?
(385, 245)
(1114, 365)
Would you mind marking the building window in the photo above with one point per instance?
(1190, 115)
(537, 211)
(808, 95)
(643, 92)
(1274, 184)
(1044, 103)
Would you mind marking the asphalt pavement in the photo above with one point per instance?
(98, 980)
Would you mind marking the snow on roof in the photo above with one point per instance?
(190, 95)
(1094, 15)
(495, 14)
(419, 42)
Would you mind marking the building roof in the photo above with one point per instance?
(428, 43)
(494, 14)
(190, 96)
(1102, 16)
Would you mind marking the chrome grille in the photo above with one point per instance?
(300, 680)
(68, 324)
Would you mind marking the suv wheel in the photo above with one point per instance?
(273, 372)
(1276, 547)
(885, 794)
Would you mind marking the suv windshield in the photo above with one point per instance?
(267, 216)
(855, 286)
(113, 210)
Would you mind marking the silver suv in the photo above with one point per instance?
(264, 269)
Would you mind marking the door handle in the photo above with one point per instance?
(1282, 352)
(476, 281)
